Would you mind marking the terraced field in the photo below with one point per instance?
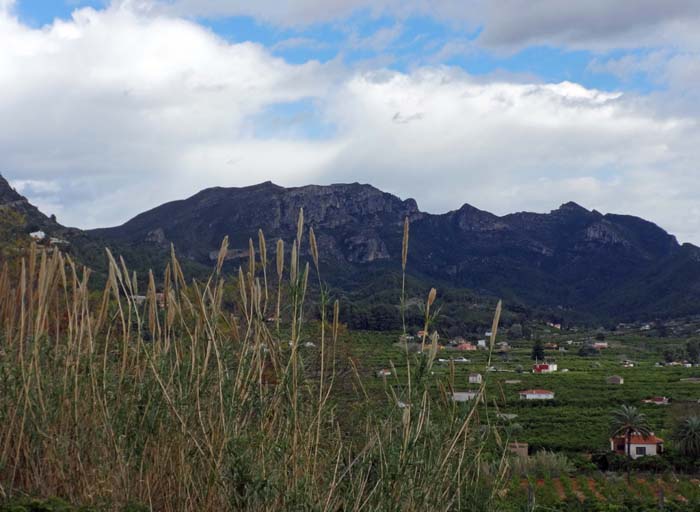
(576, 422)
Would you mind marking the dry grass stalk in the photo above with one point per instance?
(177, 404)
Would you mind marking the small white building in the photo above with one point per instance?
(639, 446)
(481, 343)
(475, 378)
(38, 235)
(544, 367)
(537, 394)
(464, 396)
(384, 373)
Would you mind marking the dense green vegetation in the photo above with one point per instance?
(195, 397)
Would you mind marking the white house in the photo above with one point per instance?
(537, 394)
(464, 396)
(481, 343)
(639, 446)
(475, 378)
(544, 367)
(38, 235)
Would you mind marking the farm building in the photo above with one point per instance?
(537, 394)
(464, 396)
(475, 378)
(639, 446)
(615, 379)
(544, 367)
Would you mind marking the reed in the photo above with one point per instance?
(178, 403)
(404, 260)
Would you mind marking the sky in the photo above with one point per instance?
(109, 108)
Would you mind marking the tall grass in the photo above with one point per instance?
(177, 403)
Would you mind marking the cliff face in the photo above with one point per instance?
(353, 222)
(568, 258)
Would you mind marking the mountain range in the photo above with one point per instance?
(571, 262)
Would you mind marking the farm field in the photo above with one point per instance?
(577, 420)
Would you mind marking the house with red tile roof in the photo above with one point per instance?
(639, 445)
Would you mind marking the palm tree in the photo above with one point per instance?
(687, 436)
(627, 421)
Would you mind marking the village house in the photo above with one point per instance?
(475, 378)
(639, 446)
(615, 379)
(599, 345)
(466, 347)
(384, 373)
(536, 394)
(481, 343)
(37, 235)
(544, 367)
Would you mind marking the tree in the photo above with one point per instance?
(588, 350)
(687, 436)
(627, 421)
(538, 351)
(693, 351)
(515, 332)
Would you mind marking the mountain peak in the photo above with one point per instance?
(571, 206)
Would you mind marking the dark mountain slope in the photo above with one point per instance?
(19, 218)
(571, 259)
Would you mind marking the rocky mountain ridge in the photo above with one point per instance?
(569, 259)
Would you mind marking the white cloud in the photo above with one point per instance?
(120, 111)
(506, 147)
(113, 102)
